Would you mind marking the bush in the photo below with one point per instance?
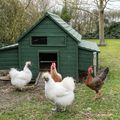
(111, 32)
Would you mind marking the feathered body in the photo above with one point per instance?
(61, 93)
(96, 82)
(57, 77)
(20, 78)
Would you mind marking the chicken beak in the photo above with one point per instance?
(29, 65)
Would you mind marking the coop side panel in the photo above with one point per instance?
(9, 58)
(85, 59)
(69, 59)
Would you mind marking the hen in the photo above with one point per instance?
(57, 77)
(61, 93)
(96, 82)
(21, 78)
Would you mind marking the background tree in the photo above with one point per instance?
(101, 5)
(65, 14)
(17, 16)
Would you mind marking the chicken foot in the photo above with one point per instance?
(58, 109)
(98, 95)
(19, 89)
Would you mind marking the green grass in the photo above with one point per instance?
(84, 107)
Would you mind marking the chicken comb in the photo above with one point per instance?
(90, 68)
(54, 64)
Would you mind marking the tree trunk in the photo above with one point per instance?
(101, 24)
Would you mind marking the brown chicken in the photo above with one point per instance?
(57, 77)
(96, 82)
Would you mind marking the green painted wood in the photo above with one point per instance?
(9, 58)
(59, 41)
(60, 23)
(53, 41)
(86, 59)
(62, 39)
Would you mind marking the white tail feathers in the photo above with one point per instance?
(68, 83)
(13, 73)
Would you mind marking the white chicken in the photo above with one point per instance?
(21, 78)
(61, 93)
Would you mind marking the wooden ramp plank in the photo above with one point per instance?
(7, 77)
(39, 82)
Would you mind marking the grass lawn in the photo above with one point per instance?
(84, 107)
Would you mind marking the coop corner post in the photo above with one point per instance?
(95, 62)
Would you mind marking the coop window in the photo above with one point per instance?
(39, 40)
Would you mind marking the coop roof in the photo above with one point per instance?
(72, 32)
(89, 45)
(61, 23)
(64, 26)
(9, 46)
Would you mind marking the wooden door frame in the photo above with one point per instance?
(49, 51)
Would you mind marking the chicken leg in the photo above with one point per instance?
(57, 108)
(98, 95)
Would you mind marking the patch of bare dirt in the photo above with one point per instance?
(10, 97)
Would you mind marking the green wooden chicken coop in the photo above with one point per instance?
(51, 39)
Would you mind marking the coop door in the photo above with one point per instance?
(46, 59)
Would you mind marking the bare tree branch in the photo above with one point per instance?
(29, 1)
(106, 1)
(75, 6)
(96, 2)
